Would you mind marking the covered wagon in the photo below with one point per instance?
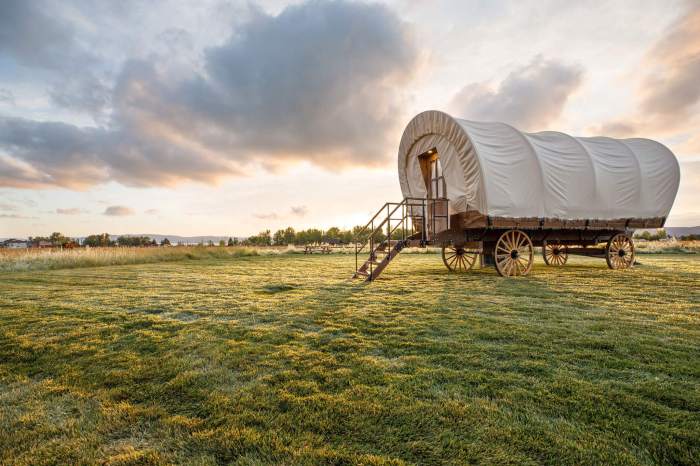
(485, 190)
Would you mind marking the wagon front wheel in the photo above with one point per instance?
(458, 259)
(620, 252)
(513, 254)
(555, 254)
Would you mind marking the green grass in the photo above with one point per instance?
(283, 360)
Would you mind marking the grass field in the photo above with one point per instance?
(281, 359)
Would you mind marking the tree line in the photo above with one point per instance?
(283, 237)
(311, 236)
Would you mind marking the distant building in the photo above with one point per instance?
(15, 244)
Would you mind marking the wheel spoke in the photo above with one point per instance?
(510, 267)
(517, 267)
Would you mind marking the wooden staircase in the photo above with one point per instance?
(395, 226)
(378, 259)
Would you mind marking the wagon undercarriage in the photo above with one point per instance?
(420, 222)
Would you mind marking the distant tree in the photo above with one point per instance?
(332, 235)
(346, 236)
(278, 237)
(222, 243)
(261, 239)
(230, 242)
(35, 240)
(645, 235)
(135, 241)
(289, 236)
(57, 239)
(100, 240)
(210, 243)
(165, 242)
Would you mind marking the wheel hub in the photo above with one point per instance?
(621, 253)
(514, 254)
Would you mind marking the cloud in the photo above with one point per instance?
(530, 97)
(15, 216)
(4, 206)
(320, 82)
(45, 37)
(151, 211)
(118, 211)
(668, 94)
(35, 35)
(82, 93)
(267, 216)
(297, 211)
(300, 211)
(70, 211)
(7, 96)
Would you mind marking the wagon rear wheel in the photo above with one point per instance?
(514, 254)
(620, 252)
(555, 254)
(458, 259)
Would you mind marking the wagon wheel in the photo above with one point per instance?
(620, 252)
(555, 254)
(514, 254)
(458, 259)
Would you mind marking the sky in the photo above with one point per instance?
(231, 117)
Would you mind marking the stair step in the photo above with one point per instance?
(373, 262)
(360, 272)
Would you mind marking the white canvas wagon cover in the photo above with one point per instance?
(495, 170)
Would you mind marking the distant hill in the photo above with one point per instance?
(674, 231)
(174, 239)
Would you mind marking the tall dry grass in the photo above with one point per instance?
(666, 247)
(16, 260)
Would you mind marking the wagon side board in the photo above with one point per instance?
(475, 220)
(471, 228)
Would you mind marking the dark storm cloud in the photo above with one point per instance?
(321, 82)
(529, 98)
